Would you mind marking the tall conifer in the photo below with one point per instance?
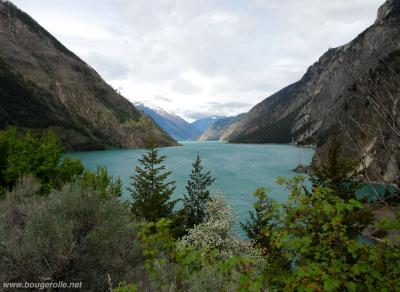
(151, 190)
(197, 195)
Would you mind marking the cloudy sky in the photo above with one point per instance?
(202, 57)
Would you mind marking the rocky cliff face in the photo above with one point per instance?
(331, 99)
(220, 129)
(43, 85)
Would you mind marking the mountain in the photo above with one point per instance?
(333, 98)
(44, 85)
(220, 129)
(174, 125)
(204, 123)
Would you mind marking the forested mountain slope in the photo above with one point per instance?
(43, 85)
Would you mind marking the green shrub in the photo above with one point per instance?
(205, 271)
(173, 267)
(309, 248)
(313, 234)
(344, 179)
(102, 182)
(35, 155)
(71, 235)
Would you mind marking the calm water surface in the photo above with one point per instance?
(239, 169)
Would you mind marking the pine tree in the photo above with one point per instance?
(151, 192)
(197, 195)
(262, 220)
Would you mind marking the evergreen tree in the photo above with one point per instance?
(262, 221)
(151, 192)
(337, 174)
(197, 195)
(342, 177)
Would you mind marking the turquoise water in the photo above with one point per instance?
(239, 169)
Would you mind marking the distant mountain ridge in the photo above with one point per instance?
(221, 128)
(204, 123)
(44, 85)
(174, 125)
(204, 129)
(327, 100)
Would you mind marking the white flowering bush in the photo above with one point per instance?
(217, 233)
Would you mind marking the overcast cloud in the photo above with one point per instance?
(203, 57)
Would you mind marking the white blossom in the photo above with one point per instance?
(217, 232)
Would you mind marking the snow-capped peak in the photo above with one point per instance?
(152, 106)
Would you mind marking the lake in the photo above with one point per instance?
(239, 169)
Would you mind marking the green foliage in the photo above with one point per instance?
(342, 177)
(150, 190)
(314, 236)
(82, 232)
(157, 242)
(263, 220)
(263, 229)
(192, 269)
(392, 225)
(68, 170)
(337, 174)
(125, 287)
(159, 250)
(70, 235)
(197, 195)
(102, 182)
(205, 271)
(307, 247)
(39, 156)
(2, 192)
